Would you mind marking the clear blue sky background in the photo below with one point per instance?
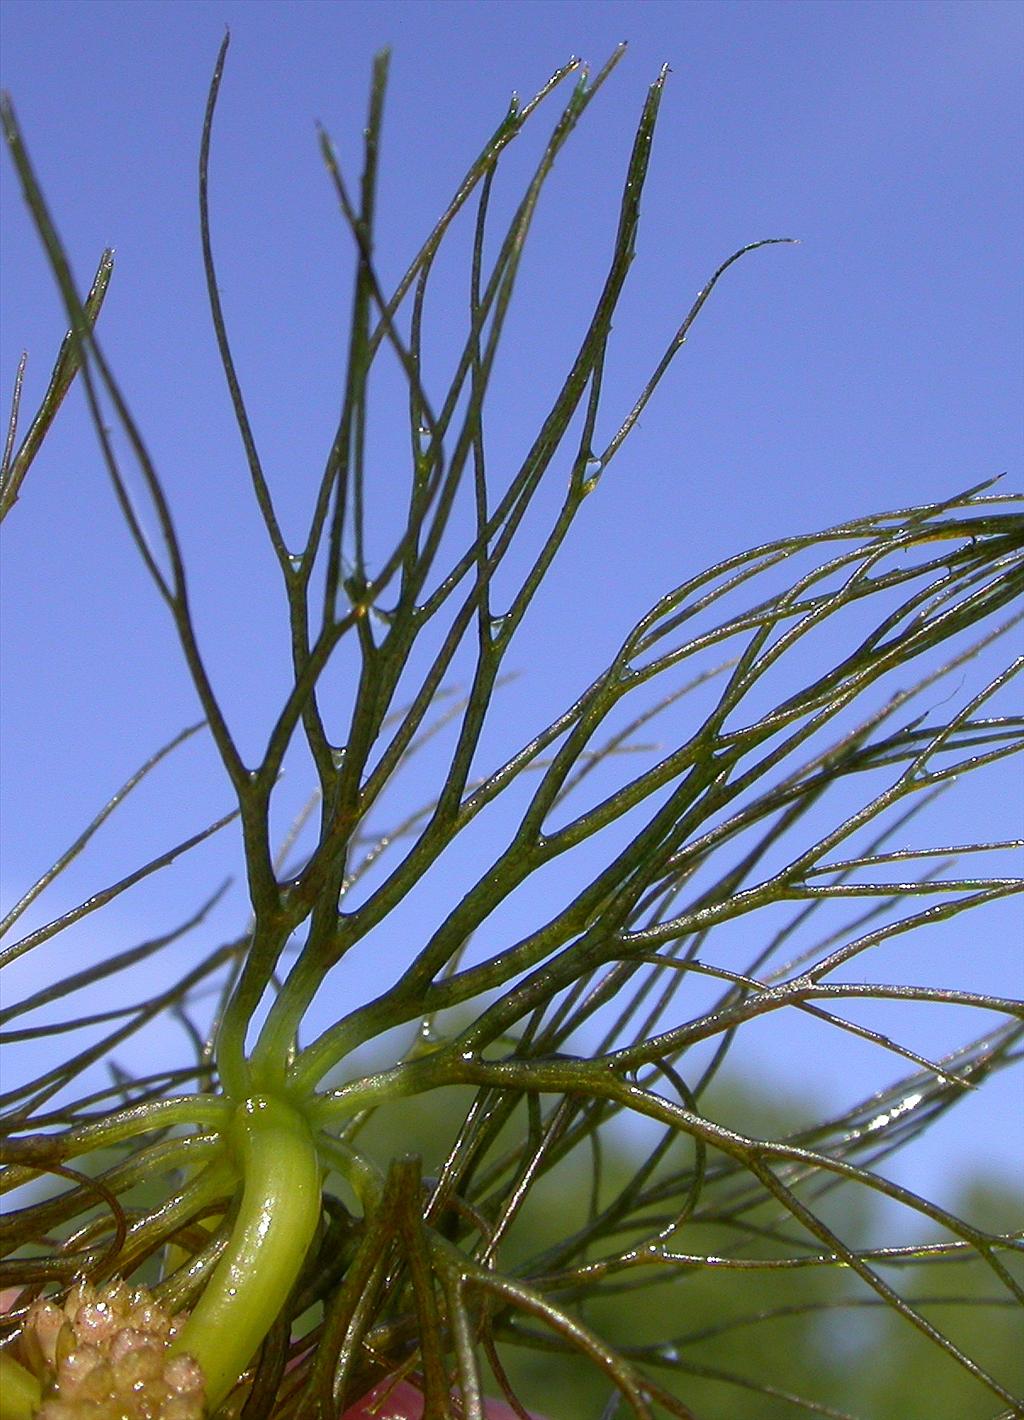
(875, 365)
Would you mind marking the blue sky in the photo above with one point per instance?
(875, 365)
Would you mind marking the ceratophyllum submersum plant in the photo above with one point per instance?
(716, 828)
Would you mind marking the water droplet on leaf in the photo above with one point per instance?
(592, 471)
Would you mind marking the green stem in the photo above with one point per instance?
(20, 1392)
(410, 1077)
(277, 1217)
(362, 1175)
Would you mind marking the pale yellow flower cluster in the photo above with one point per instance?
(103, 1355)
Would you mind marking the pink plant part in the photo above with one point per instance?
(401, 1401)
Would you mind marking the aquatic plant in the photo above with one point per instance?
(811, 695)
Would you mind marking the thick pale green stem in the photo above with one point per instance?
(20, 1392)
(277, 1217)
